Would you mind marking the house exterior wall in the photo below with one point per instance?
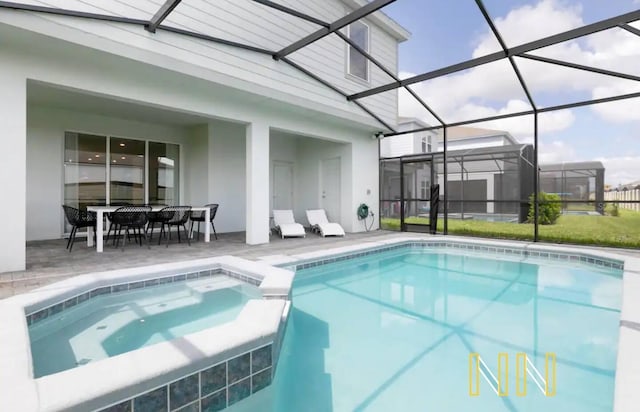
(244, 22)
(227, 174)
(307, 155)
(473, 143)
(45, 150)
(13, 124)
(29, 58)
(411, 143)
(398, 145)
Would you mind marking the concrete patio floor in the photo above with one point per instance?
(48, 261)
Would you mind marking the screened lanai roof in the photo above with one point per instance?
(480, 159)
(571, 166)
(509, 62)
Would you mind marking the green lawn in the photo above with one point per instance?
(620, 231)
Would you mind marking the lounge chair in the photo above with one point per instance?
(286, 224)
(319, 223)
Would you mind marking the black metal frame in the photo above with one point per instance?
(622, 21)
(161, 14)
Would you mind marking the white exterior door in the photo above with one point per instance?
(330, 188)
(282, 185)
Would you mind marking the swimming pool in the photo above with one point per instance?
(120, 322)
(394, 331)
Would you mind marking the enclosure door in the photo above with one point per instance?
(330, 188)
(282, 186)
(416, 195)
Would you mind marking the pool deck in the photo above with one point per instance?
(48, 261)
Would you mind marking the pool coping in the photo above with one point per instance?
(95, 385)
(627, 377)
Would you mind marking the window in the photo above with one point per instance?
(426, 144)
(85, 169)
(126, 169)
(164, 173)
(102, 170)
(357, 64)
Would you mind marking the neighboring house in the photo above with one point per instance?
(458, 138)
(410, 143)
(470, 144)
(627, 186)
(477, 170)
(98, 111)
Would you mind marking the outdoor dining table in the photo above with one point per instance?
(101, 210)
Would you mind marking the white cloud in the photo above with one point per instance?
(555, 152)
(476, 92)
(620, 170)
(556, 17)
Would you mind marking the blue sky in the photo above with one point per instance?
(448, 32)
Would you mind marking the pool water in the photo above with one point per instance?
(393, 332)
(113, 324)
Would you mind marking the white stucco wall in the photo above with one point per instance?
(13, 123)
(306, 154)
(220, 177)
(227, 174)
(45, 149)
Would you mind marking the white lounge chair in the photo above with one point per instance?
(318, 220)
(286, 224)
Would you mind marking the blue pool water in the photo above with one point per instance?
(121, 322)
(393, 332)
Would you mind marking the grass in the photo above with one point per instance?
(620, 231)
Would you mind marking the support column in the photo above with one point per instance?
(257, 183)
(13, 168)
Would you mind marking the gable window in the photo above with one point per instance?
(357, 64)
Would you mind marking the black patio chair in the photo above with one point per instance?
(200, 217)
(78, 219)
(113, 226)
(174, 216)
(154, 217)
(134, 218)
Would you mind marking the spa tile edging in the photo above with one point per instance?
(213, 388)
(50, 310)
(496, 249)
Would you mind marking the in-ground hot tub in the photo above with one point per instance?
(132, 317)
(199, 334)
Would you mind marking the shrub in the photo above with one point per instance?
(548, 209)
(614, 209)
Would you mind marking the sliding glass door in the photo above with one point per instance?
(164, 173)
(126, 182)
(85, 171)
(101, 170)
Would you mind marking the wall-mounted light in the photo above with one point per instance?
(122, 145)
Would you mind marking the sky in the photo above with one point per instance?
(445, 32)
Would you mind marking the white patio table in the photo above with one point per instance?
(101, 210)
